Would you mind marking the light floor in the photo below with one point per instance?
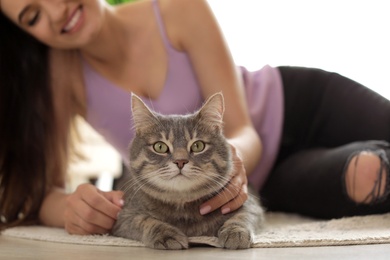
(13, 248)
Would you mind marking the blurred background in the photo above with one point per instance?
(350, 37)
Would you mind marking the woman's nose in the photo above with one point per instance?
(56, 9)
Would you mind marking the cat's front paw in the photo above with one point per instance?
(234, 237)
(168, 238)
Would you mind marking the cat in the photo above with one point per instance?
(177, 162)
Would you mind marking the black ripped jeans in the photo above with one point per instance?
(327, 118)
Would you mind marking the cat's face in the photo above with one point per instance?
(180, 157)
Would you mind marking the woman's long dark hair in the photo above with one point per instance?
(26, 124)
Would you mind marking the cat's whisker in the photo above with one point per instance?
(220, 183)
(142, 181)
(126, 186)
(131, 186)
(125, 183)
(137, 190)
(137, 180)
(236, 189)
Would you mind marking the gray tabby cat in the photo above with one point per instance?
(177, 163)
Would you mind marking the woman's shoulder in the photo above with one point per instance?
(172, 11)
(180, 17)
(184, 11)
(169, 9)
(183, 18)
(165, 5)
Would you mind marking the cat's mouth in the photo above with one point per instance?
(177, 175)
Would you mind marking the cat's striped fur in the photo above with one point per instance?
(177, 163)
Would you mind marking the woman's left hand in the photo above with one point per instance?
(235, 193)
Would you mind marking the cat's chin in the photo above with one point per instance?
(184, 188)
(178, 183)
(183, 191)
(177, 199)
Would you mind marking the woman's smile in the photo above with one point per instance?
(74, 21)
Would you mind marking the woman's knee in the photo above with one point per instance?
(367, 177)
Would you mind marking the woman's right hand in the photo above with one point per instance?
(91, 211)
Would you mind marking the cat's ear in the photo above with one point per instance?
(212, 110)
(143, 117)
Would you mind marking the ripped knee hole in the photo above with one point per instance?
(367, 177)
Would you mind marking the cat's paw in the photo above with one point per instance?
(171, 239)
(235, 237)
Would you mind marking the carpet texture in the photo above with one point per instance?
(280, 230)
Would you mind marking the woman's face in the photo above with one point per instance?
(64, 24)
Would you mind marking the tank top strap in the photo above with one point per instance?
(160, 22)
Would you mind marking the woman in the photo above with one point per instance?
(301, 135)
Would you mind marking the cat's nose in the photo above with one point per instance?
(180, 163)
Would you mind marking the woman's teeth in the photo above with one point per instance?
(72, 23)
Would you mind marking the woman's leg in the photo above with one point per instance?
(330, 164)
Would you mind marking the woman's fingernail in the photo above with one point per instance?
(205, 210)
(122, 202)
(225, 210)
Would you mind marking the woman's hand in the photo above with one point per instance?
(235, 193)
(91, 211)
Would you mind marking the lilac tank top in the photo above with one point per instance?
(109, 106)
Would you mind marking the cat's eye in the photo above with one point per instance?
(160, 147)
(198, 146)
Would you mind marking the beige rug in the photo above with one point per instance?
(281, 230)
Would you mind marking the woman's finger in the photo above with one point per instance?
(74, 223)
(91, 211)
(79, 211)
(231, 191)
(237, 202)
(96, 200)
(81, 227)
(93, 216)
(115, 197)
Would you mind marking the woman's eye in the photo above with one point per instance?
(32, 18)
(198, 146)
(160, 147)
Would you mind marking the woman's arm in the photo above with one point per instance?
(192, 28)
(87, 210)
(52, 209)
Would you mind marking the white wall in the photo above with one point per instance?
(351, 37)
